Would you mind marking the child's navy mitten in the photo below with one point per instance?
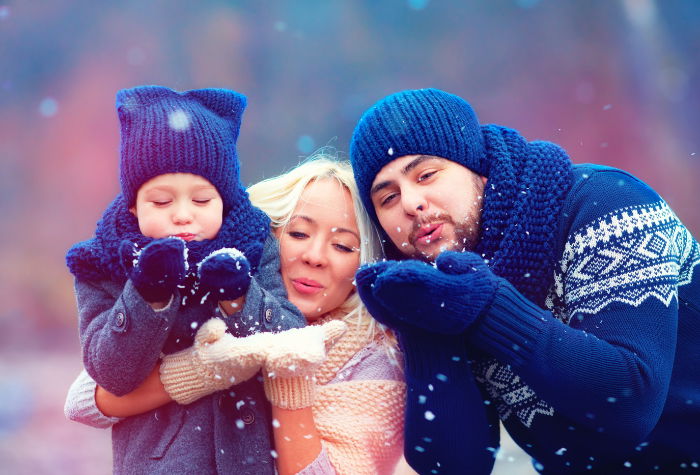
(445, 298)
(157, 269)
(225, 273)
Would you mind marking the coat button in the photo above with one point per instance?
(248, 417)
(120, 319)
(268, 315)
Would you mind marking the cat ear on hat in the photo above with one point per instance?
(133, 99)
(225, 103)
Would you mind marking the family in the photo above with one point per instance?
(386, 315)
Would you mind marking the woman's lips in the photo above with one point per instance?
(186, 236)
(428, 234)
(306, 286)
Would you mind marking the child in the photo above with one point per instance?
(179, 241)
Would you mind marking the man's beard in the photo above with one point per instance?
(466, 234)
(466, 231)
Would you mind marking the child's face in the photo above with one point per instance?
(179, 204)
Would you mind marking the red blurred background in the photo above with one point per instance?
(614, 82)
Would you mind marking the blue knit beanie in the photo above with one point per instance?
(165, 131)
(415, 122)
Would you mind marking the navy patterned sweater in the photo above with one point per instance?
(607, 378)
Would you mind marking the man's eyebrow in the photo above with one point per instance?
(415, 162)
(379, 186)
(404, 171)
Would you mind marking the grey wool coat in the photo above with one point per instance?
(122, 339)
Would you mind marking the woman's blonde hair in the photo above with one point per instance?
(278, 197)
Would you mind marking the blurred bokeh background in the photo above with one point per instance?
(614, 82)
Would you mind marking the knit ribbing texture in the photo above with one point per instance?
(414, 122)
(360, 421)
(165, 131)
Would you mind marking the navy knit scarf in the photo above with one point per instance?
(244, 227)
(526, 187)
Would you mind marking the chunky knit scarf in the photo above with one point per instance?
(360, 421)
(526, 187)
(244, 227)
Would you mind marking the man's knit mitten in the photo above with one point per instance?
(216, 361)
(157, 269)
(446, 298)
(365, 279)
(225, 273)
(292, 360)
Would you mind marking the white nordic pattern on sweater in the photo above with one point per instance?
(627, 256)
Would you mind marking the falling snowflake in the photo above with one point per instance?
(178, 120)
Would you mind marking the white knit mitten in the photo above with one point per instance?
(216, 361)
(292, 359)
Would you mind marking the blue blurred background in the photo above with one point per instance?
(614, 82)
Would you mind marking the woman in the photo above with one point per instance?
(351, 419)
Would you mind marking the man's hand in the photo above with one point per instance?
(446, 298)
(365, 279)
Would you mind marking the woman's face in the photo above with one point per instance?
(320, 249)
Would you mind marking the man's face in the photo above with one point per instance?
(428, 204)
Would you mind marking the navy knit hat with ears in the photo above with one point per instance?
(415, 122)
(165, 131)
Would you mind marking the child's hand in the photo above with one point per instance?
(225, 273)
(157, 269)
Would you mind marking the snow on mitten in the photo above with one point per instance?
(216, 361)
(292, 360)
(225, 273)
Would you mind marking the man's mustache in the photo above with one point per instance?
(421, 221)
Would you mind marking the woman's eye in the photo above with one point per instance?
(161, 203)
(343, 248)
(425, 176)
(202, 201)
(297, 234)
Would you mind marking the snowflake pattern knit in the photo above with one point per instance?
(624, 276)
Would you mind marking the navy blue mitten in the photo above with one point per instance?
(157, 269)
(365, 279)
(442, 394)
(446, 298)
(225, 273)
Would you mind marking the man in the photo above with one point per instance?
(574, 290)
